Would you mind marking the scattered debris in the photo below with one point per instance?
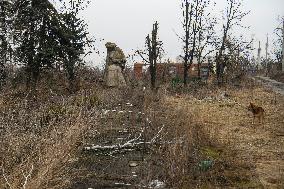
(129, 104)
(122, 184)
(223, 95)
(156, 184)
(105, 111)
(133, 164)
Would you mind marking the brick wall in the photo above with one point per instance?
(170, 70)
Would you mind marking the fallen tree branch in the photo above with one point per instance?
(27, 176)
(155, 137)
(131, 145)
(118, 148)
(5, 178)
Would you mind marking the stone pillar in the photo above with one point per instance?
(115, 64)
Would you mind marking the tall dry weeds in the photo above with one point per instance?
(38, 143)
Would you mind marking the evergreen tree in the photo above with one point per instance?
(36, 42)
(73, 40)
(5, 37)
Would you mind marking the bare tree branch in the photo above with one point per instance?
(29, 174)
(5, 178)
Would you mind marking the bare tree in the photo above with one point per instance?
(282, 44)
(239, 56)
(194, 26)
(279, 44)
(154, 50)
(187, 21)
(233, 16)
(206, 35)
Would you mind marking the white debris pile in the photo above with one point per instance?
(129, 104)
(122, 184)
(156, 184)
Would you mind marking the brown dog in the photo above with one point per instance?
(257, 112)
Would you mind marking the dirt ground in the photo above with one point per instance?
(230, 122)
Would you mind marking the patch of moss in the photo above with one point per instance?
(57, 109)
(211, 152)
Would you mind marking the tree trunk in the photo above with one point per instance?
(153, 74)
(219, 62)
(70, 67)
(186, 57)
(283, 47)
(152, 48)
(198, 68)
(4, 45)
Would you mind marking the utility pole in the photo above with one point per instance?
(258, 56)
(266, 47)
(266, 56)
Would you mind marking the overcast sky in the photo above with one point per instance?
(127, 22)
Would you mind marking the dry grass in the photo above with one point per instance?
(39, 140)
(46, 137)
(223, 125)
(42, 140)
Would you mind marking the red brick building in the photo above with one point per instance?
(171, 70)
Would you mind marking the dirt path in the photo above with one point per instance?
(276, 86)
(114, 154)
(228, 121)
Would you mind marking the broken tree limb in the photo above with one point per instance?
(136, 143)
(131, 145)
(5, 178)
(27, 176)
